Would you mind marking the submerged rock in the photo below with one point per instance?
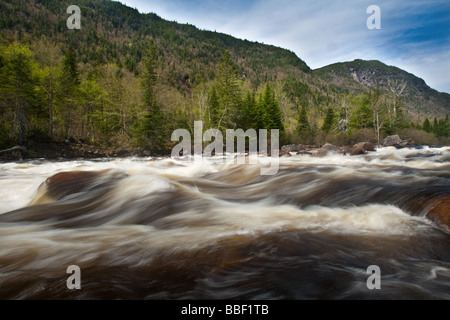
(441, 212)
(291, 149)
(326, 149)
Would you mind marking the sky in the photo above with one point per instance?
(414, 34)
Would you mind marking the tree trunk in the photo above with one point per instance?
(17, 148)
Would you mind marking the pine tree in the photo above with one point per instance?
(329, 120)
(68, 92)
(447, 125)
(427, 127)
(272, 117)
(435, 126)
(228, 94)
(213, 109)
(441, 129)
(17, 90)
(252, 115)
(151, 126)
(303, 127)
(362, 117)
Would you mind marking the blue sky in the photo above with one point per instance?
(414, 35)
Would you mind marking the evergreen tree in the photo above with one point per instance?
(435, 126)
(303, 127)
(329, 120)
(271, 113)
(213, 109)
(441, 129)
(68, 92)
(362, 117)
(447, 124)
(18, 82)
(273, 117)
(228, 94)
(251, 119)
(70, 68)
(427, 127)
(151, 126)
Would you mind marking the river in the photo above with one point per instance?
(143, 228)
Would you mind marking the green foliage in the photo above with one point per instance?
(149, 75)
(85, 85)
(304, 128)
(441, 127)
(214, 114)
(362, 116)
(270, 109)
(18, 94)
(427, 127)
(151, 126)
(329, 120)
(252, 115)
(229, 96)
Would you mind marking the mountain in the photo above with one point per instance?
(87, 85)
(360, 75)
(114, 32)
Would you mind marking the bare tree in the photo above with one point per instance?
(397, 88)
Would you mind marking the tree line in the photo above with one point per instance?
(47, 93)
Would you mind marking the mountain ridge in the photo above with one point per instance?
(114, 39)
(360, 73)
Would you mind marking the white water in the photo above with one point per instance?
(337, 211)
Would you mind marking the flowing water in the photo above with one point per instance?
(165, 229)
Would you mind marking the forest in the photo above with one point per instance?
(128, 80)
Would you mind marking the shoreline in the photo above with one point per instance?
(71, 150)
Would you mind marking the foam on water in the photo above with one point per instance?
(168, 228)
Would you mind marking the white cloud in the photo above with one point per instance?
(319, 32)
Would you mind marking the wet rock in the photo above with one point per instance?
(392, 141)
(362, 148)
(345, 150)
(357, 151)
(408, 142)
(366, 146)
(67, 183)
(292, 149)
(326, 149)
(441, 212)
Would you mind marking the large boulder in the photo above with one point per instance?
(345, 150)
(327, 149)
(291, 149)
(441, 212)
(393, 141)
(362, 148)
(69, 183)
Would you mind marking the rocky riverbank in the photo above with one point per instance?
(72, 149)
(54, 150)
(355, 150)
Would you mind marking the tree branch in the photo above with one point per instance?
(17, 148)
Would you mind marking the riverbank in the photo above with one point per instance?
(72, 149)
(54, 150)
